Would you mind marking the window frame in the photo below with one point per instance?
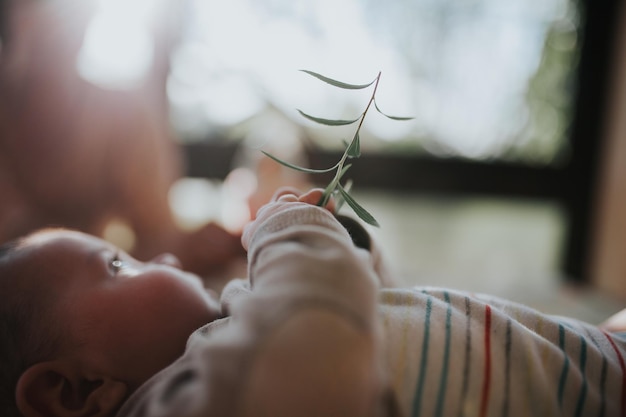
(572, 185)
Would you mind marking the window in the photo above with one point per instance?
(484, 79)
(507, 96)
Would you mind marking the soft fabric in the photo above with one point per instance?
(452, 353)
(442, 352)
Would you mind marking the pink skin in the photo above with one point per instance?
(289, 194)
(124, 318)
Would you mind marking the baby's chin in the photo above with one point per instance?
(211, 297)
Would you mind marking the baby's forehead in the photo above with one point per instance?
(51, 235)
(32, 261)
(57, 257)
(63, 242)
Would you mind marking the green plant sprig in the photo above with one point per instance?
(352, 150)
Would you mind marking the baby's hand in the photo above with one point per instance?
(313, 197)
(283, 197)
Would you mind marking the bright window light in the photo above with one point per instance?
(117, 50)
(483, 79)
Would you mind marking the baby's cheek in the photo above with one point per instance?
(187, 300)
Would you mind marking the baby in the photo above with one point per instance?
(85, 330)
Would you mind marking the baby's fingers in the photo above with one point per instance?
(287, 192)
(314, 196)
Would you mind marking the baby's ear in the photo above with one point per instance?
(54, 389)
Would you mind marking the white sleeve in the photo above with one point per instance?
(304, 341)
(297, 251)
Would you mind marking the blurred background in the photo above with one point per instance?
(139, 120)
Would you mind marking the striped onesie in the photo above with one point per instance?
(452, 353)
(421, 351)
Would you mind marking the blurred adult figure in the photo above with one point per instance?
(75, 154)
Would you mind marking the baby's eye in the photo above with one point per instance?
(116, 264)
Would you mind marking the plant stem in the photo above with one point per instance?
(333, 184)
(369, 103)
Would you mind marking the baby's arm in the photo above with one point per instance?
(301, 340)
(323, 359)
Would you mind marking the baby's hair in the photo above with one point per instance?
(26, 335)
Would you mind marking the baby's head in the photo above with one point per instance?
(82, 324)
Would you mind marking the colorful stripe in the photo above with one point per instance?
(565, 369)
(468, 351)
(507, 369)
(602, 374)
(446, 359)
(487, 375)
(536, 368)
(583, 389)
(603, 387)
(417, 400)
(623, 368)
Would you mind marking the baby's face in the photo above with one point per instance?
(125, 318)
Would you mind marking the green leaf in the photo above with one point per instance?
(360, 211)
(339, 200)
(328, 191)
(338, 83)
(332, 185)
(354, 150)
(299, 168)
(391, 117)
(328, 122)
